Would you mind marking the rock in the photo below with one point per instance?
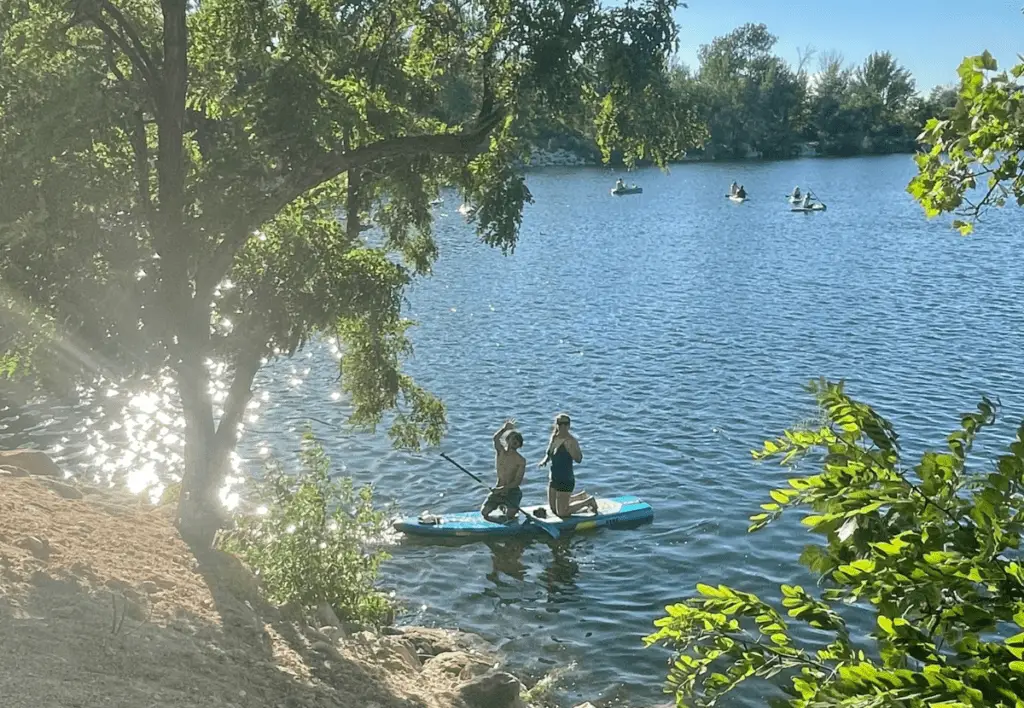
(39, 547)
(494, 690)
(10, 471)
(149, 587)
(364, 638)
(328, 649)
(326, 615)
(64, 490)
(162, 583)
(431, 642)
(457, 665)
(398, 651)
(35, 462)
(335, 634)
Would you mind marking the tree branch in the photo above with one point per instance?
(94, 14)
(128, 28)
(329, 166)
(238, 398)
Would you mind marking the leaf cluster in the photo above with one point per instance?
(972, 158)
(933, 551)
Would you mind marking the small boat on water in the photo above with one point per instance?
(614, 512)
(466, 210)
(620, 192)
(808, 209)
(737, 198)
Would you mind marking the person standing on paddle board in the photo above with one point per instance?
(510, 467)
(563, 452)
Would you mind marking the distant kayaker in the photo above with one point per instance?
(563, 451)
(510, 467)
(741, 192)
(620, 185)
(733, 189)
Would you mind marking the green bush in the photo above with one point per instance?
(311, 539)
(932, 550)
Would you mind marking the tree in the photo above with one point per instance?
(976, 146)
(750, 98)
(171, 173)
(933, 552)
(831, 121)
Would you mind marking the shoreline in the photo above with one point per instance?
(543, 158)
(106, 603)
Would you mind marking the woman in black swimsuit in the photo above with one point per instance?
(563, 451)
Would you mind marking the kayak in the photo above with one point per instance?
(628, 190)
(813, 207)
(614, 512)
(738, 200)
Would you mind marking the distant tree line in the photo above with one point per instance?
(754, 103)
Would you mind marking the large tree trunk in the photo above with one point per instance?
(208, 446)
(199, 508)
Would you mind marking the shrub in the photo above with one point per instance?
(311, 539)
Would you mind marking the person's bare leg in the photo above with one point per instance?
(589, 504)
(552, 498)
(578, 496)
(562, 507)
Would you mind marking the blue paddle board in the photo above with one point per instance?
(614, 512)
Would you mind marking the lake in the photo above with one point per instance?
(677, 329)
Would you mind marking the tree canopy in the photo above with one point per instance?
(173, 174)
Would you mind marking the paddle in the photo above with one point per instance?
(547, 528)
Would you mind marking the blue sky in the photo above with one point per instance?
(929, 37)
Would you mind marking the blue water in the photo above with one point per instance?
(677, 329)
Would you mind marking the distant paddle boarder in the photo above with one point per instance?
(510, 467)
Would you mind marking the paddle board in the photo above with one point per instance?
(614, 512)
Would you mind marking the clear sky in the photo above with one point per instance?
(929, 37)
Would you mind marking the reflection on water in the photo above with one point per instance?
(559, 577)
(558, 571)
(507, 559)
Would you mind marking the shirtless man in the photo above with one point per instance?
(510, 467)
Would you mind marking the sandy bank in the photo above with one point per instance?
(102, 604)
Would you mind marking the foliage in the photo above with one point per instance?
(976, 145)
(754, 102)
(932, 551)
(309, 539)
(174, 172)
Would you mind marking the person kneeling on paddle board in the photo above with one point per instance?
(510, 467)
(563, 451)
